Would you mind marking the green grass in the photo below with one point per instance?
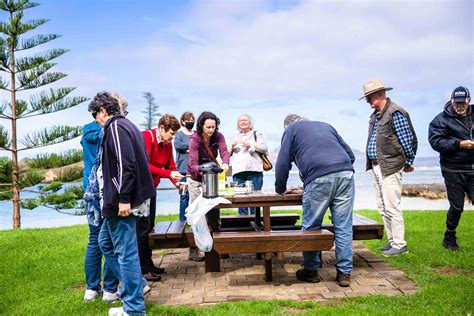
(41, 273)
(48, 161)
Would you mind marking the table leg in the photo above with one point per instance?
(211, 259)
(258, 216)
(268, 270)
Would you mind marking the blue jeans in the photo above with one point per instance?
(336, 192)
(257, 180)
(93, 264)
(118, 242)
(183, 202)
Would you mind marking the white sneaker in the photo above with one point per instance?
(146, 289)
(90, 295)
(117, 311)
(109, 297)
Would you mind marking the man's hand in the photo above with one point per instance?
(175, 175)
(408, 168)
(124, 209)
(466, 144)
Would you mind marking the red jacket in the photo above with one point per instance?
(160, 157)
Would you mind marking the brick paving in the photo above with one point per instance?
(242, 277)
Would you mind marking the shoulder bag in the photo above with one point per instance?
(267, 165)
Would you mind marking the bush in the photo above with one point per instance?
(32, 177)
(70, 174)
(48, 161)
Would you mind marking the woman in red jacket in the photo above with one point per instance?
(161, 165)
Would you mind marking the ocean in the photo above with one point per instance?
(427, 171)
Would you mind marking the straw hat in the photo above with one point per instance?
(373, 86)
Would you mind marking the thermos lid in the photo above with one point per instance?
(210, 167)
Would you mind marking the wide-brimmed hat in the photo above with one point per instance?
(373, 86)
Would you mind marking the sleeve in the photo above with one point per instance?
(346, 147)
(180, 144)
(439, 138)
(223, 152)
(124, 154)
(193, 158)
(283, 163)
(404, 135)
(261, 146)
(171, 166)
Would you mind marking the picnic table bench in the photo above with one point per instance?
(272, 233)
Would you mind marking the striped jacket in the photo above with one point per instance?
(126, 176)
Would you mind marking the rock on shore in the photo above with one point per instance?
(429, 191)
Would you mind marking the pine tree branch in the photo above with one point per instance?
(51, 136)
(5, 141)
(17, 6)
(36, 40)
(30, 62)
(39, 82)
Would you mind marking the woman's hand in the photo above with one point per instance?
(124, 209)
(225, 167)
(175, 175)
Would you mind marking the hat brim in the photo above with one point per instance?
(459, 100)
(376, 90)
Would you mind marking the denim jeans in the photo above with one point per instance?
(457, 185)
(183, 202)
(118, 242)
(257, 180)
(336, 192)
(93, 264)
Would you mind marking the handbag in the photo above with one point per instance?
(267, 164)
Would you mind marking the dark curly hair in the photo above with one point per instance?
(104, 100)
(206, 116)
(169, 122)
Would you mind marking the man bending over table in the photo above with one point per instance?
(325, 163)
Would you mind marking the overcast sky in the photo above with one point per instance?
(263, 58)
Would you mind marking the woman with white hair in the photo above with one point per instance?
(246, 163)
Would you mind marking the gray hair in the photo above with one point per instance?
(250, 121)
(291, 118)
(122, 102)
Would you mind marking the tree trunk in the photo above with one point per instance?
(15, 166)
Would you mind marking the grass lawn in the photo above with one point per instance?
(41, 273)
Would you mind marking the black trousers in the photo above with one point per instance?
(144, 227)
(458, 184)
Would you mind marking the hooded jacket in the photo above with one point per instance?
(445, 133)
(126, 176)
(89, 142)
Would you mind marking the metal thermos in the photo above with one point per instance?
(210, 182)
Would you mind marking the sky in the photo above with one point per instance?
(262, 58)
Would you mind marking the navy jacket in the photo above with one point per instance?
(445, 133)
(127, 178)
(317, 150)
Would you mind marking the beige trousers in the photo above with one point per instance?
(388, 194)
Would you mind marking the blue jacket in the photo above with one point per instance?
(126, 176)
(317, 150)
(89, 142)
(181, 144)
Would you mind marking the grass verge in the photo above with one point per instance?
(41, 273)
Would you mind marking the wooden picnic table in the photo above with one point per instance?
(264, 240)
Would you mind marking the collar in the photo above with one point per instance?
(159, 140)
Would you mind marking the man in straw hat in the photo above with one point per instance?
(391, 149)
(451, 134)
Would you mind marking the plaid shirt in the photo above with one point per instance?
(403, 133)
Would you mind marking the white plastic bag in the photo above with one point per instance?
(196, 217)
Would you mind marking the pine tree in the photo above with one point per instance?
(151, 111)
(20, 72)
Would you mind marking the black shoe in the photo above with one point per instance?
(152, 277)
(308, 275)
(449, 241)
(344, 279)
(156, 270)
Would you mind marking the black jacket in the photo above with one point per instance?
(127, 178)
(446, 131)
